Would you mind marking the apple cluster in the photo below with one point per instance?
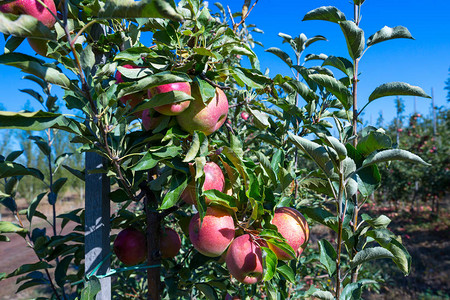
(215, 235)
(46, 15)
(190, 115)
(130, 245)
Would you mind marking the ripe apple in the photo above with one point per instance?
(245, 115)
(132, 99)
(214, 180)
(172, 109)
(244, 260)
(206, 118)
(215, 234)
(229, 297)
(150, 120)
(37, 10)
(170, 243)
(130, 246)
(293, 227)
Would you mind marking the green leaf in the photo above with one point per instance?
(335, 144)
(77, 173)
(397, 89)
(287, 272)
(31, 65)
(162, 99)
(27, 268)
(341, 64)
(152, 81)
(42, 144)
(335, 87)
(354, 37)
(374, 141)
(369, 254)
(282, 245)
(281, 54)
(325, 13)
(318, 185)
(13, 43)
(324, 295)
(207, 290)
(205, 90)
(315, 151)
(393, 154)
(388, 33)
(204, 52)
(327, 256)
(221, 199)
(24, 26)
(91, 289)
(265, 163)
(9, 169)
(368, 180)
(261, 118)
(270, 262)
(58, 184)
(33, 94)
(61, 270)
(39, 120)
(177, 185)
(33, 205)
(145, 163)
(31, 283)
(314, 39)
(379, 222)
(9, 227)
(198, 140)
(320, 56)
(353, 291)
(122, 9)
(14, 155)
(321, 215)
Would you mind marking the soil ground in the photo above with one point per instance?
(425, 235)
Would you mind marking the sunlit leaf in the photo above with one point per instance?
(388, 33)
(325, 13)
(397, 89)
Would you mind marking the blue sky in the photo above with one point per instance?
(424, 61)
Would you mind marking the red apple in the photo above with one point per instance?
(150, 120)
(172, 109)
(245, 115)
(293, 227)
(214, 180)
(132, 99)
(170, 243)
(37, 10)
(130, 246)
(206, 118)
(215, 234)
(244, 260)
(229, 297)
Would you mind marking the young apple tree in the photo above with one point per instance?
(203, 154)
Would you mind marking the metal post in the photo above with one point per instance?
(97, 224)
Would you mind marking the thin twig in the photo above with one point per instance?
(222, 87)
(236, 26)
(81, 31)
